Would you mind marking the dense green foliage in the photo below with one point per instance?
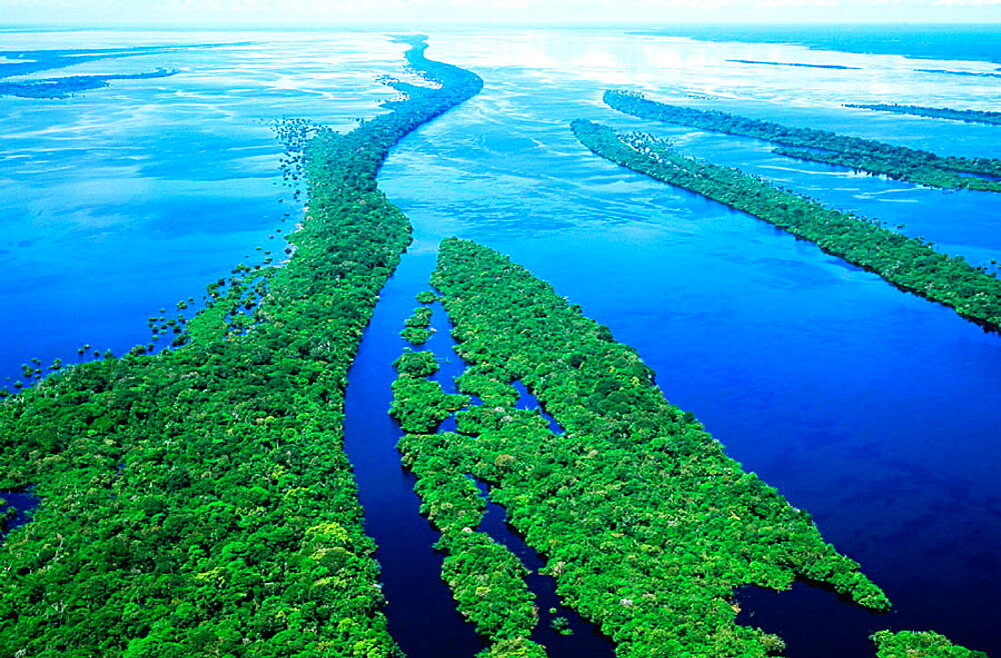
(909, 263)
(646, 524)
(417, 329)
(927, 644)
(198, 502)
(874, 157)
(486, 578)
(969, 116)
(516, 648)
(426, 297)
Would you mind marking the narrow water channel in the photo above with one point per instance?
(421, 612)
(584, 640)
(23, 503)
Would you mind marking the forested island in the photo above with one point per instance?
(967, 74)
(65, 86)
(908, 263)
(646, 524)
(487, 580)
(899, 162)
(199, 502)
(968, 116)
(925, 644)
(794, 64)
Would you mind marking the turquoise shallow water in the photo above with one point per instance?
(871, 408)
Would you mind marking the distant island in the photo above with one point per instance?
(908, 263)
(897, 162)
(809, 66)
(969, 116)
(969, 74)
(64, 87)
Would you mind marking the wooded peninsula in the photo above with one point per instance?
(199, 502)
(968, 116)
(908, 263)
(899, 162)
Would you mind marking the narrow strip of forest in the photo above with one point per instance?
(487, 580)
(199, 502)
(919, 644)
(968, 116)
(646, 524)
(908, 263)
(899, 162)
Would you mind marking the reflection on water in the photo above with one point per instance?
(15, 511)
(175, 179)
(871, 408)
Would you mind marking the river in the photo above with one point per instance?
(871, 408)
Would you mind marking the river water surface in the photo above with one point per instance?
(871, 408)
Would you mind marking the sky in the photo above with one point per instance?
(415, 13)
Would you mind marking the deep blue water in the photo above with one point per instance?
(23, 503)
(404, 539)
(871, 408)
(421, 613)
(948, 42)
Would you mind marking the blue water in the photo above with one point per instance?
(124, 200)
(943, 42)
(871, 408)
(23, 503)
(421, 612)
(585, 639)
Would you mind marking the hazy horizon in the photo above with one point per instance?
(414, 14)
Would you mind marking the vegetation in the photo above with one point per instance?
(928, 644)
(646, 524)
(199, 502)
(64, 87)
(427, 297)
(487, 580)
(909, 263)
(417, 329)
(794, 64)
(966, 74)
(969, 116)
(899, 162)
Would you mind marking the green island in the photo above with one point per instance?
(198, 501)
(646, 525)
(908, 263)
(68, 85)
(969, 116)
(965, 74)
(795, 64)
(924, 644)
(898, 162)
(417, 329)
(487, 580)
